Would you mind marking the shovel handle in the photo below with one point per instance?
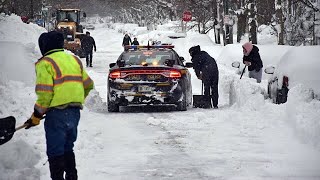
(21, 127)
(243, 71)
(25, 125)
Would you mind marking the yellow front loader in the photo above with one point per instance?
(68, 23)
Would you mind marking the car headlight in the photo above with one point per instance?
(59, 27)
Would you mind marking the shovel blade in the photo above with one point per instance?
(201, 101)
(7, 129)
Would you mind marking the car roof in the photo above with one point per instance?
(302, 66)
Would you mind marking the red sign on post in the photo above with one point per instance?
(186, 16)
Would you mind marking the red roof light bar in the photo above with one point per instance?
(149, 47)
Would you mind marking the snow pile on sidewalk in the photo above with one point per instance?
(14, 30)
(18, 49)
(18, 52)
(17, 161)
(302, 113)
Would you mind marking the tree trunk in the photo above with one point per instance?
(31, 9)
(241, 26)
(252, 22)
(253, 32)
(230, 34)
(279, 16)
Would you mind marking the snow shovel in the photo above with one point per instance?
(201, 101)
(244, 69)
(8, 128)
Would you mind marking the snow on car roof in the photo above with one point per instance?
(302, 66)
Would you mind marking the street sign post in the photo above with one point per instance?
(187, 16)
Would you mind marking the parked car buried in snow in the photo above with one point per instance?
(300, 65)
(90, 27)
(149, 75)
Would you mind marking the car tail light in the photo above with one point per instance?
(285, 81)
(172, 74)
(115, 74)
(175, 74)
(166, 73)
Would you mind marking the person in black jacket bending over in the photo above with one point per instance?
(126, 41)
(206, 70)
(252, 59)
(88, 44)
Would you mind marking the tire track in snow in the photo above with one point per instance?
(173, 162)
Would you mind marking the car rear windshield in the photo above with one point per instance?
(146, 57)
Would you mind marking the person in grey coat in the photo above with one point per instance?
(206, 69)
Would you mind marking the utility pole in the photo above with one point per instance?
(31, 9)
(227, 17)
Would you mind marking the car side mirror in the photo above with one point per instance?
(189, 65)
(182, 59)
(169, 62)
(269, 70)
(121, 63)
(111, 65)
(236, 64)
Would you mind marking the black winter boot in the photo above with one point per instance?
(56, 165)
(70, 166)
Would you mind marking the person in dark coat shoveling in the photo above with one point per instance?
(206, 70)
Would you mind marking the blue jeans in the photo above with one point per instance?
(61, 130)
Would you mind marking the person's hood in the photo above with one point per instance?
(194, 50)
(255, 49)
(49, 41)
(248, 47)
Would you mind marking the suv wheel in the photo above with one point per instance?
(113, 107)
(182, 106)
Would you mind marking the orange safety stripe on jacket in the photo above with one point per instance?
(61, 79)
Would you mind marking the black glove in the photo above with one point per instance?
(95, 50)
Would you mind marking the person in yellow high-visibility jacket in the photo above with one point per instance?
(62, 85)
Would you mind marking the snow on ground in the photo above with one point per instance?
(248, 137)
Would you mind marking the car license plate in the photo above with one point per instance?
(144, 88)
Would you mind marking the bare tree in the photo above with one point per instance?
(280, 21)
(251, 6)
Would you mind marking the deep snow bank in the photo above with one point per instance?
(16, 63)
(18, 52)
(14, 30)
(17, 162)
(302, 113)
(18, 49)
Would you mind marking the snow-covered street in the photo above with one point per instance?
(247, 138)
